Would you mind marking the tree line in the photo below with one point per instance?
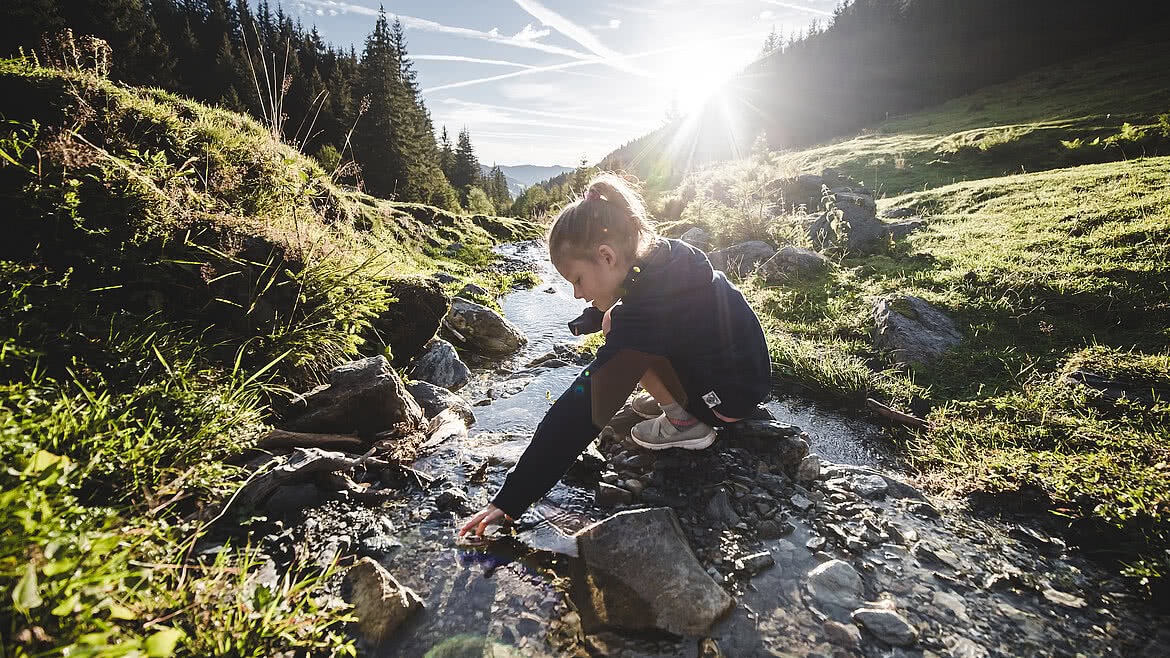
(335, 104)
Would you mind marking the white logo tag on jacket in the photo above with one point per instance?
(712, 400)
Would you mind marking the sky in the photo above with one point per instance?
(550, 82)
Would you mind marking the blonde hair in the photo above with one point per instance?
(610, 212)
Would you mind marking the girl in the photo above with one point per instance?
(670, 322)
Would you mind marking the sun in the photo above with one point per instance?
(694, 76)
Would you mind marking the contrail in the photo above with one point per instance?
(575, 32)
(789, 5)
(553, 115)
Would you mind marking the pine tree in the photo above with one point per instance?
(465, 173)
(375, 145)
(446, 155)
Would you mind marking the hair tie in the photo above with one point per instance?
(592, 194)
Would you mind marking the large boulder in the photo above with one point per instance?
(408, 323)
(741, 259)
(379, 601)
(793, 262)
(365, 397)
(440, 365)
(697, 238)
(803, 190)
(640, 574)
(912, 330)
(866, 233)
(483, 329)
(434, 400)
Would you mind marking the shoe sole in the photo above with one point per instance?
(688, 444)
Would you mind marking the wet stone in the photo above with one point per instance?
(815, 544)
(842, 635)
(836, 583)
(869, 486)
(809, 469)
(609, 495)
(801, 503)
(1063, 598)
(755, 563)
(887, 625)
(774, 529)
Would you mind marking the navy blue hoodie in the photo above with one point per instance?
(674, 307)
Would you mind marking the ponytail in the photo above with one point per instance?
(610, 212)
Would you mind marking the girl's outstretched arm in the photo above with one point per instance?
(486, 517)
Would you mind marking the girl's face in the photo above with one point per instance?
(595, 280)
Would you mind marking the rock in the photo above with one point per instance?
(815, 543)
(473, 290)
(380, 602)
(961, 647)
(609, 495)
(801, 503)
(793, 262)
(697, 237)
(842, 635)
(435, 399)
(720, 510)
(897, 213)
(930, 555)
(452, 499)
(809, 469)
(408, 323)
(439, 364)
(889, 626)
(292, 498)
(365, 397)
(868, 486)
(836, 583)
(1063, 598)
(899, 230)
(741, 259)
(755, 563)
(552, 290)
(774, 529)
(952, 603)
(633, 486)
(780, 440)
(444, 278)
(708, 648)
(642, 574)
(861, 199)
(923, 509)
(483, 329)
(912, 330)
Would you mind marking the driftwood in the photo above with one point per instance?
(446, 425)
(283, 439)
(896, 416)
(300, 463)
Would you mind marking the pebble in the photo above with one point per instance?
(848, 636)
(755, 563)
(1063, 598)
(774, 529)
(889, 626)
(809, 469)
(634, 486)
(815, 544)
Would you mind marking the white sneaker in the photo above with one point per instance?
(659, 434)
(646, 406)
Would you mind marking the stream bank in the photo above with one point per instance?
(834, 559)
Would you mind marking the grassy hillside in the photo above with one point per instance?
(1104, 108)
(1047, 274)
(168, 272)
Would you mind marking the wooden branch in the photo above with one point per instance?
(896, 416)
(283, 439)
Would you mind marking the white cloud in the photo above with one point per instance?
(577, 33)
(320, 12)
(530, 33)
(615, 23)
(767, 15)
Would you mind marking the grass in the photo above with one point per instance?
(1104, 108)
(170, 273)
(1044, 273)
(1048, 243)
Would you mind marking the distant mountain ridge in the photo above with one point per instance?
(521, 177)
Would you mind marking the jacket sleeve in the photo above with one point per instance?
(574, 420)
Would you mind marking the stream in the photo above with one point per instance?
(968, 585)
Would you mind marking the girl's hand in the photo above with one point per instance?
(485, 517)
(605, 321)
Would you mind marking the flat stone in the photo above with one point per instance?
(439, 364)
(952, 603)
(642, 574)
(436, 399)
(720, 510)
(380, 602)
(868, 486)
(961, 647)
(801, 503)
(836, 583)
(887, 625)
(1063, 598)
